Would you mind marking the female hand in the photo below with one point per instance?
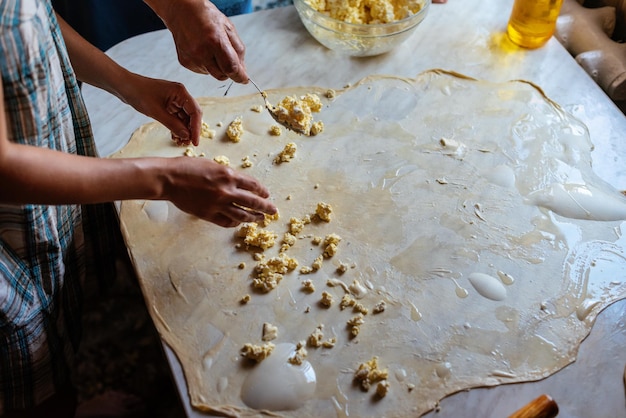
(206, 40)
(216, 193)
(168, 102)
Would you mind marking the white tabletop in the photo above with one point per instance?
(465, 36)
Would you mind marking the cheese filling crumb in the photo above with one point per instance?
(246, 162)
(296, 113)
(235, 129)
(206, 131)
(323, 211)
(354, 324)
(326, 300)
(221, 159)
(270, 272)
(382, 388)
(316, 337)
(256, 237)
(275, 130)
(299, 355)
(308, 286)
(287, 154)
(369, 373)
(330, 245)
(379, 307)
(366, 11)
(257, 352)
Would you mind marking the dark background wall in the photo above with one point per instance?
(105, 23)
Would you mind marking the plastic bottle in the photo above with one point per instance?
(532, 22)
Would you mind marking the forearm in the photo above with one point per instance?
(43, 176)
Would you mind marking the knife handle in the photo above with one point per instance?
(542, 407)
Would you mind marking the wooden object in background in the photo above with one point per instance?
(541, 407)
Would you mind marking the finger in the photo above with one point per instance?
(255, 204)
(214, 69)
(251, 184)
(241, 74)
(177, 95)
(194, 114)
(180, 141)
(243, 214)
(172, 108)
(235, 40)
(178, 126)
(229, 60)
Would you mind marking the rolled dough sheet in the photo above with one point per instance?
(470, 208)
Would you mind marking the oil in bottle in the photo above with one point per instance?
(532, 22)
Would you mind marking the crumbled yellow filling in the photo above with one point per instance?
(369, 373)
(317, 263)
(323, 211)
(295, 225)
(342, 268)
(359, 307)
(326, 300)
(270, 272)
(257, 352)
(297, 113)
(235, 129)
(246, 162)
(206, 131)
(190, 152)
(330, 245)
(275, 130)
(299, 355)
(380, 307)
(347, 301)
(270, 218)
(366, 11)
(354, 324)
(221, 159)
(287, 154)
(316, 337)
(316, 128)
(256, 237)
(308, 286)
(329, 343)
(382, 388)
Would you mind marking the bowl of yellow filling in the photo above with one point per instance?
(361, 28)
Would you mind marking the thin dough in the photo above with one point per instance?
(431, 180)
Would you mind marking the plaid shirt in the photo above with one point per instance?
(45, 251)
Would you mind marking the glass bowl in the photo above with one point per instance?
(356, 39)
